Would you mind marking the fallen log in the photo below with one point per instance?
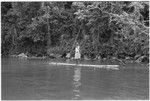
(115, 67)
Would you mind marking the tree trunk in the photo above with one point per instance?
(13, 34)
(97, 46)
(48, 34)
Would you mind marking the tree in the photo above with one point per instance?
(111, 15)
(102, 27)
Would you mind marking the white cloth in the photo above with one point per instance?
(77, 52)
(68, 55)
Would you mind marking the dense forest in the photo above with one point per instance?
(103, 28)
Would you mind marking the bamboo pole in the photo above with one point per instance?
(115, 67)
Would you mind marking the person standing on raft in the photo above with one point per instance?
(77, 53)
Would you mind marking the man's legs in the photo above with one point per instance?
(77, 61)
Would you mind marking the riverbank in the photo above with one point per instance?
(126, 64)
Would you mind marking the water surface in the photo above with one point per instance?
(34, 79)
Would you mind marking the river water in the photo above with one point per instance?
(34, 79)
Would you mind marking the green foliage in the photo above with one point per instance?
(112, 27)
(112, 15)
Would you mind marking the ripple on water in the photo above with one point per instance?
(35, 79)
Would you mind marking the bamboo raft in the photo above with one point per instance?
(115, 67)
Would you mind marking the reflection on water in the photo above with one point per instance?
(37, 80)
(77, 83)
